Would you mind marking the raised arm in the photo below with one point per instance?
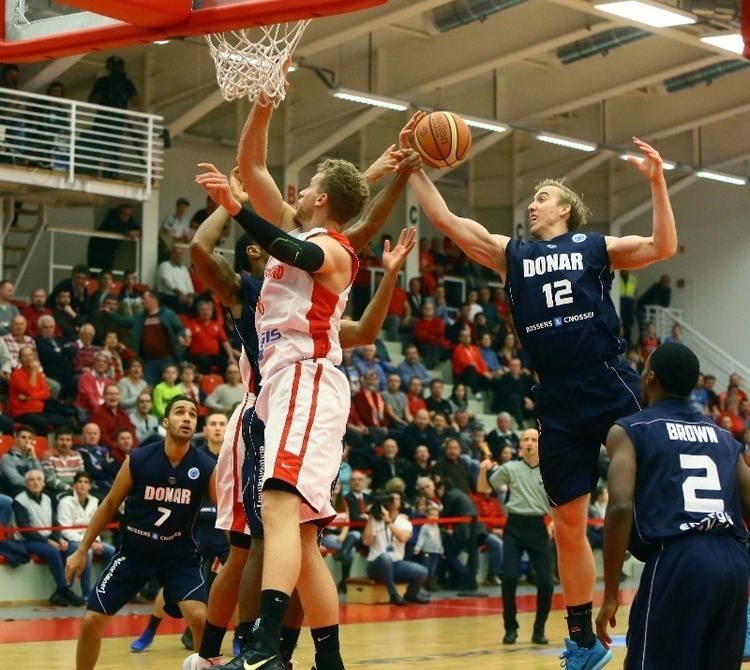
(252, 155)
(215, 270)
(471, 237)
(634, 251)
(365, 331)
(617, 524)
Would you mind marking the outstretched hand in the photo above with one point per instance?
(406, 136)
(606, 617)
(651, 164)
(217, 186)
(235, 185)
(393, 259)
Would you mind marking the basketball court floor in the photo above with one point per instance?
(448, 633)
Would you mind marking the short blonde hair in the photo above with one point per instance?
(345, 187)
(579, 213)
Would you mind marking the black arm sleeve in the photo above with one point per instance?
(299, 253)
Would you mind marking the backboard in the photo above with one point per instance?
(37, 30)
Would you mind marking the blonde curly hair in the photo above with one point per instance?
(345, 187)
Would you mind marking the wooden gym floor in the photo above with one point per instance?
(440, 636)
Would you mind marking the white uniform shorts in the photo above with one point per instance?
(230, 511)
(305, 408)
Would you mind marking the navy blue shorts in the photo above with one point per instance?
(689, 612)
(253, 433)
(128, 572)
(575, 416)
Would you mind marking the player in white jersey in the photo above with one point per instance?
(222, 278)
(304, 401)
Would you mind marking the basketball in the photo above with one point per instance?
(442, 139)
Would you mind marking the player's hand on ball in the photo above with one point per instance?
(216, 185)
(74, 565)
(410, 161)
(606, 617)
(393, 259)
(406, 136)
(384, 164)
(651, 164)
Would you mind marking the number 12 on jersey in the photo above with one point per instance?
(558, 293)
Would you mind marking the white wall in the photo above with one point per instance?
(713, 226)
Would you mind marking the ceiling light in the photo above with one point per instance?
(580, 145)
(651, 13)
(720, 176)
(370, 99)
(162, 42)
(730, 41)
(667, 165)
(485, 124)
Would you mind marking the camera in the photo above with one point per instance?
(379, 500)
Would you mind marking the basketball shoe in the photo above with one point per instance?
(143, 642)
(251, 659)
(581, 658)
(746, 651)
(197, 662)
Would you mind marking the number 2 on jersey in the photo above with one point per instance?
(709, 482)
(165, 514)
(562, 295)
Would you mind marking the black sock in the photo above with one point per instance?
(289, 637)
(267, 629)
(579, 625)
(211, 641)
(244, 631)
(153, 624)
(326, 639)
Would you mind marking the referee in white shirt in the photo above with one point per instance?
(525, 530)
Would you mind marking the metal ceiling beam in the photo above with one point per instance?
(195, 114)
(487, 142)
(502, 60)
(375, 19)
(51, 72)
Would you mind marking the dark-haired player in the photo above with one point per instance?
(680, 483)
(162, 485)
(558, 285)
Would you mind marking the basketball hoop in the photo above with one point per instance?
(250, 64)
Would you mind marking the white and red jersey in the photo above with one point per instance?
(297, 318)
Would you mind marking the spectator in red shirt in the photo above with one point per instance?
(427, 267)
(414, 399)
(429, 333)
(110, 417)
(733, 415)
(209, 345)
(123, 444)
(92, 383)
(468, 365)
(650, 341)
(28, 394)
(36, 309)
(399, 313)
(119, 355)
(86, 349)
(369, 406)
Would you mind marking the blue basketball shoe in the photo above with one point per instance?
(143, 642)
(581, 658)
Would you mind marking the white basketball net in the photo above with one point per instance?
(250, 64)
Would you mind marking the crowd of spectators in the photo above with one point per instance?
(95, 363)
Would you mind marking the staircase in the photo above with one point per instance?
(22, 228)
(713, 359)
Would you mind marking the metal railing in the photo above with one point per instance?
(80, 139)
(714, 360)
(87, 234)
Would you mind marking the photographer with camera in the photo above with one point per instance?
(386, 533)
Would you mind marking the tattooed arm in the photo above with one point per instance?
(214, 269)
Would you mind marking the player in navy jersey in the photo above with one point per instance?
(558, 285)
(162, 485)
(239, 292)
(678, 491)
